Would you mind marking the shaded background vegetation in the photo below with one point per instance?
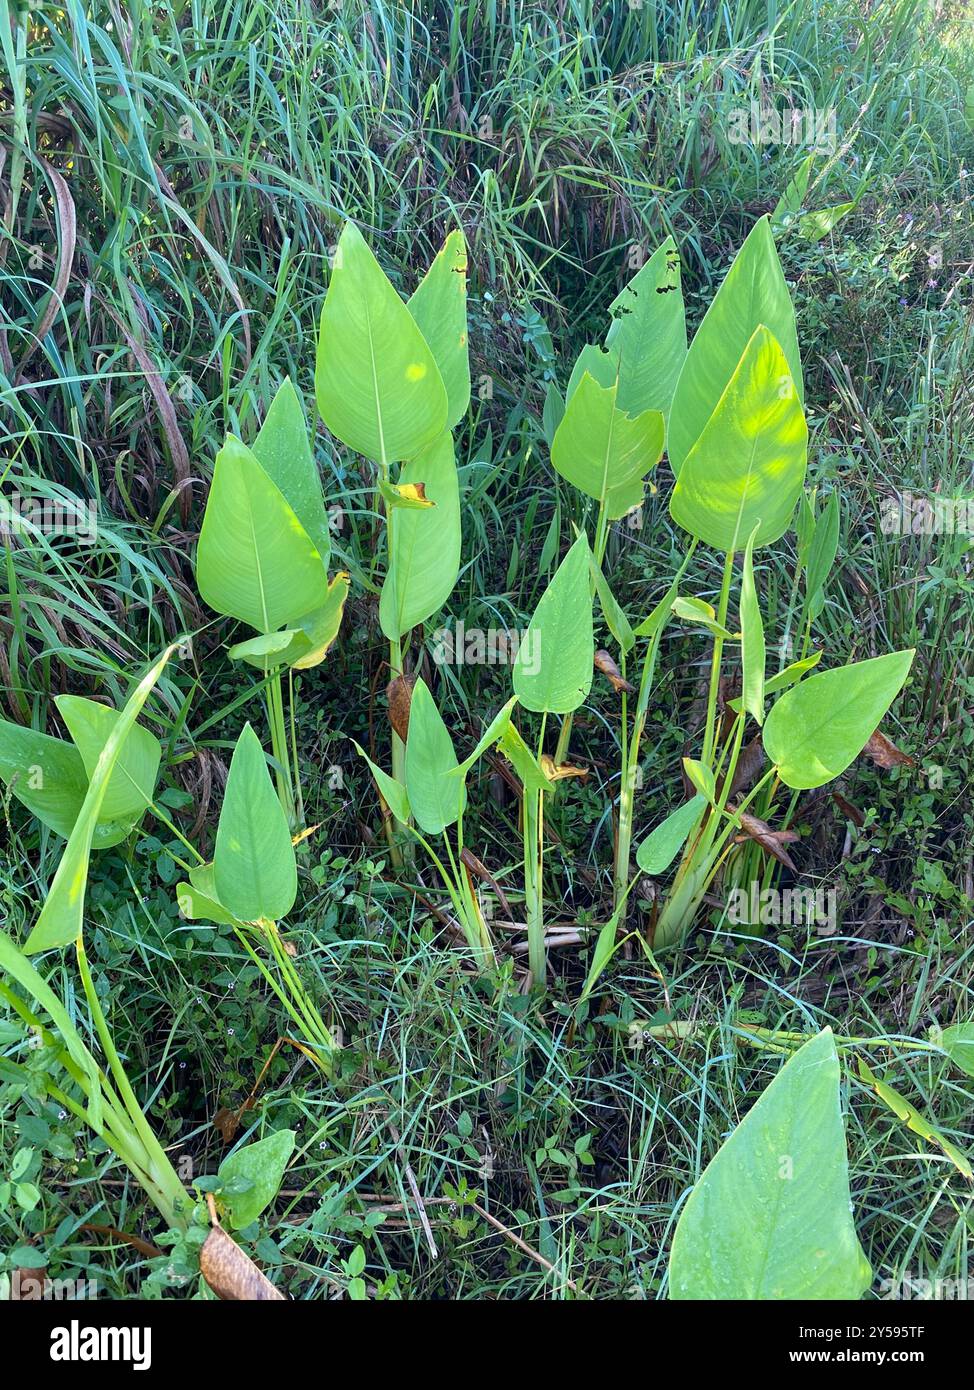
(174, 179)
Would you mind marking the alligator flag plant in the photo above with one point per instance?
(431, 800)
(606, 438)
(759, 860)
(552, 674)
(737, 444)
(392, 380)
(93, 793)
(263, 559)
(252, 884)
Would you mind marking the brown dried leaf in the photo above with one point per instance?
(399, 693)
(885, 753)
(605, 664)
(151, 1252)
(227, 1122)
(166, 411)
(483, 873)
(232, 1274)
(851, 812)
(557, 772)
(771, 841)
(750, 765)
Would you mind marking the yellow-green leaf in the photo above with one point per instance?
(378, 386)
(745, 472)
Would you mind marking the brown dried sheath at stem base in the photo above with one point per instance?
(230, 1273)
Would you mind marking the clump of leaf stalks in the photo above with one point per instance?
(392, 380)
(728, 411)
(113, 759)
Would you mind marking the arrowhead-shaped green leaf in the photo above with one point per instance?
(255, 560)
(436, 798)
(753, 293)
(816, 729)
(254, 868)
(523, 761)
(378, 386)
(771, 1216)
(553, 668)
(303, 646)
(603, 451)
(493, 733)
(439, 306)
(746, 470)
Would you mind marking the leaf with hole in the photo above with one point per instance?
(439, 306)
(648, 336)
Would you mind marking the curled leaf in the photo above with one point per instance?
(609, 669)
(409, 495)
(771, 841)
(557, 772)
(399, 693)
(908, 1115)
(848, 810)
(885, 754)
(232, 1274)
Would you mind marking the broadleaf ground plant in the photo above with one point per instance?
(392, 383)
